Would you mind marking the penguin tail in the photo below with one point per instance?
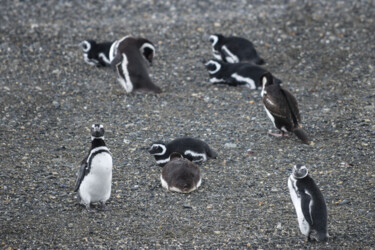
(301, 134)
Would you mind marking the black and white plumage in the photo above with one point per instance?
(131, 57)
(309, 204)
(234, 49)
(235, 74)
(192, 149)
(94, 178)
(282, 108)
(96, 54)
(180, 175)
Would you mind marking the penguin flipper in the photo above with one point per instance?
(305, 205)
(276, 106)
(82, 172)
(293, 105)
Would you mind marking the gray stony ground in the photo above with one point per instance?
(324, 52)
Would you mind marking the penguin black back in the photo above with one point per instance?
(234, 49)
(282, 108)
(96, 54)
(313, 206)
(131, 65)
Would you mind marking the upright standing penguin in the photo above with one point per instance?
(95, 175)
(234, 49)
(180, 175)
(282, 108)
(96, 54)
(131, 59)
(309, 204)
(193, 149)
(235, 74)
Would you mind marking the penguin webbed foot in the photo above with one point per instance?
(282, 134)
(103, 207)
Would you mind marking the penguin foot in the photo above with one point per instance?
(102, 207)
(278, 135)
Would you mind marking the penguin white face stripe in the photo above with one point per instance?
(164, 148)
(217, 65)
(126, 82)
(231, 58)
(196, 155)
(249, 82)
(86, 46)
(163, 161)
(147, 45)
(104, 58)
(214, 39)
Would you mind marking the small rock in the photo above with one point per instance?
(230, 145)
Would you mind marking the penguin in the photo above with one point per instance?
(94, 178)
(180, 175)
(235, 74)
(131, 57)
(282, 109)
(234, 49)
(192, 149)
(96, 54)
(309, 204)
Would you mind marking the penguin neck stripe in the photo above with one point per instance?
(231, 58)
(95, 150)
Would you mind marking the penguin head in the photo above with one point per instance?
(213, 66)
(89, 55)
(266, 79)
(97, 131)
(216, 39)
(147, 49)
(300, 171)
(157, 148)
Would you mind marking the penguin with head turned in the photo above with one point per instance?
(192, 149)
(96, 54)
(131, 58)
(180, 175)
(235, 74)
(94, 178)
(309, 204)
(282, 108)
(234, 49)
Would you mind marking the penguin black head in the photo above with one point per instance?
(300, 171)
(147, 49)
(213, 66)
(266, 79)
(215, 39)
(89, 55)
(97, 131)
(157, 148)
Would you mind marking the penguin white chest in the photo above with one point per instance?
(296, 199)
(96, 186)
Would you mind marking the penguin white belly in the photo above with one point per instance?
(303, 224)
(96, 186)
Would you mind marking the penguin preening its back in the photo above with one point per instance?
(282, 108)
(309, 204)
(234, 49)
(131, 59)
(94, 178)
(180, 175)
(193, 149)
(235, 74)
(96, 54)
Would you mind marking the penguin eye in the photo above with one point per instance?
(211, 40)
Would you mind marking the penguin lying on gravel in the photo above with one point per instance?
(192, 149)
(131, 57)
(234, 49)
(94, 178)
(180, 175)
(309, 204)
(96, 54)
(282, 108)
(235, 74)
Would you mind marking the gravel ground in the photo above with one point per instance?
(324, 53)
